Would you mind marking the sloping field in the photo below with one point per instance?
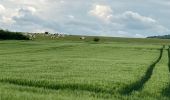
(50, 70)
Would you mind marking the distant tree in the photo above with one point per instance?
(160, 37)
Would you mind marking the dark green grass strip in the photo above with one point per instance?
(57, 86)
(138, 85)
(166, 91)
(169, 58)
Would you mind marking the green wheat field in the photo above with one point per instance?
(74, 69)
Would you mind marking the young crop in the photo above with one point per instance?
(68, 70)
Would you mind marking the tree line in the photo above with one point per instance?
(8, 35)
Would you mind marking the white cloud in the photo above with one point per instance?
(25, 11)
(127, 21)
(136, 16)
(4, 18)
(7, 20)
(134, 20)
(2, 9)
(71, 16)
(103, 12)
(139, 36)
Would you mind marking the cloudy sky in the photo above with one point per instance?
(118, 18)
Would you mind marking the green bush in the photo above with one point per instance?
(96, 39)
(7, 35)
